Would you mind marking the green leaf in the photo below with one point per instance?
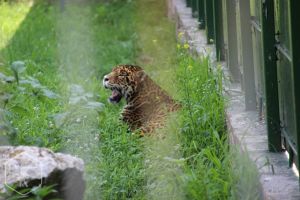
(18, 66)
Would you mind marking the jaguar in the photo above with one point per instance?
(147, 104)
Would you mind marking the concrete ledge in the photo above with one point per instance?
(277, 180)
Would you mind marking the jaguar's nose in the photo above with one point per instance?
(105, 79)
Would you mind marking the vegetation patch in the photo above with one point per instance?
(203, 131)
(66, 54)
(51, 69)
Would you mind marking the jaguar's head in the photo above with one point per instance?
(123, 81)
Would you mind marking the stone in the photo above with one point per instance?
(27, 167)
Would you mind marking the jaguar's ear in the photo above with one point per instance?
(141, 75)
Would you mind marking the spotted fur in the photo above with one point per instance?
(147, 103)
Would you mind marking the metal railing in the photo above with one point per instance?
(260, 41)
(209, 15)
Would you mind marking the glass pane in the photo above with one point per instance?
(258, 66)
(286, 97)
(283, 23)
(286, 94)
(255, 12)
(258, 10)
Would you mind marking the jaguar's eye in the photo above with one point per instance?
(123, 74)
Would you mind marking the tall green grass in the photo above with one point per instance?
(121, 162)
(213, 169)
(190, 161)
(34, 43)
(203, 131)
(59, 49)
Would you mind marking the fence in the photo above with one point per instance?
(258, 39)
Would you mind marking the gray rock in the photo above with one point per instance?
(32, 166)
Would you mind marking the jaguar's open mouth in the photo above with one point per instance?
(116, 96)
